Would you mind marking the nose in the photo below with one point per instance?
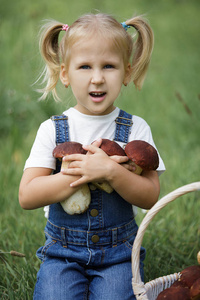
(97, 77)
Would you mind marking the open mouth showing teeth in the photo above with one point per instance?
(97, 94)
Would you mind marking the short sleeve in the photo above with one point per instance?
(41, 153)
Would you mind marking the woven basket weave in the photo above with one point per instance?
(152, 289)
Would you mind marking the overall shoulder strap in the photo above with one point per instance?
(62, 134)
(62, 128)
(123, 126)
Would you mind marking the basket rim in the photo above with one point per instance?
(138, 285)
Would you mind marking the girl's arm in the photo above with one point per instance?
(142, 191)
(39, 188)
(139, 190)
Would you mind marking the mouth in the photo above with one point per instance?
(97, 96)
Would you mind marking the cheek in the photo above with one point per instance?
(117, 82)
(79, 79)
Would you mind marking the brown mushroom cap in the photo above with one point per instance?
(195, 290)
(67, 148)
(175, 293)
(190, 275)
(142, 154)
(179, 283)
(112, 148)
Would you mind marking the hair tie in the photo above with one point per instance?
(125, 25)
(65, 27)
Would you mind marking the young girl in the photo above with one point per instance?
(88, 255)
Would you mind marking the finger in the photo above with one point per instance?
(92, 148)
(97, 143)
(119, 159)
(74, 164)
(78, 182)
(72, 171)
(72, 157)
(129, 167)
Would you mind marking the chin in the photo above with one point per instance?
(105, 111)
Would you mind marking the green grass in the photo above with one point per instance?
(171, 88)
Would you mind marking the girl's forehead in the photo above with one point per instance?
(95, 44)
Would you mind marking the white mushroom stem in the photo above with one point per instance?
(104, 186)
(138, 169)
(78, 202)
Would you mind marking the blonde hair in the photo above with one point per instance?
(135, 49)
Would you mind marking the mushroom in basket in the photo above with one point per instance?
(80, 200)
(187, 287)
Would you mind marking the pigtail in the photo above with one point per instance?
(49, 49)
(142, 48)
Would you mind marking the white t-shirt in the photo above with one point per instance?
(84, 129)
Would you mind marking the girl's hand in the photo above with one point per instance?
(94, 166)
(91, 167)
(123, 160)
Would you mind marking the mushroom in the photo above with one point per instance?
(190, 275)
(142, 155)
(175, 293)
(110, 148)
(195, 290)
(80, 200)
(187, 287)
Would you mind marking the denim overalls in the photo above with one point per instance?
(88, 256)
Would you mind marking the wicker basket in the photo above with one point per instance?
(152, 289)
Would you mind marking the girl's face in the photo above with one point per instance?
(96, 73)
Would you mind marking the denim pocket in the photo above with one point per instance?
(42, 251)
(129, 242)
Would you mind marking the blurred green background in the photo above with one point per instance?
(169, 101)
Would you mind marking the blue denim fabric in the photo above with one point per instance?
(123, 126)
(88, 256)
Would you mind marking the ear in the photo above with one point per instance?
(127, 74)
(64, 75)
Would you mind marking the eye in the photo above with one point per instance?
(85, 67)
(108, 66)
